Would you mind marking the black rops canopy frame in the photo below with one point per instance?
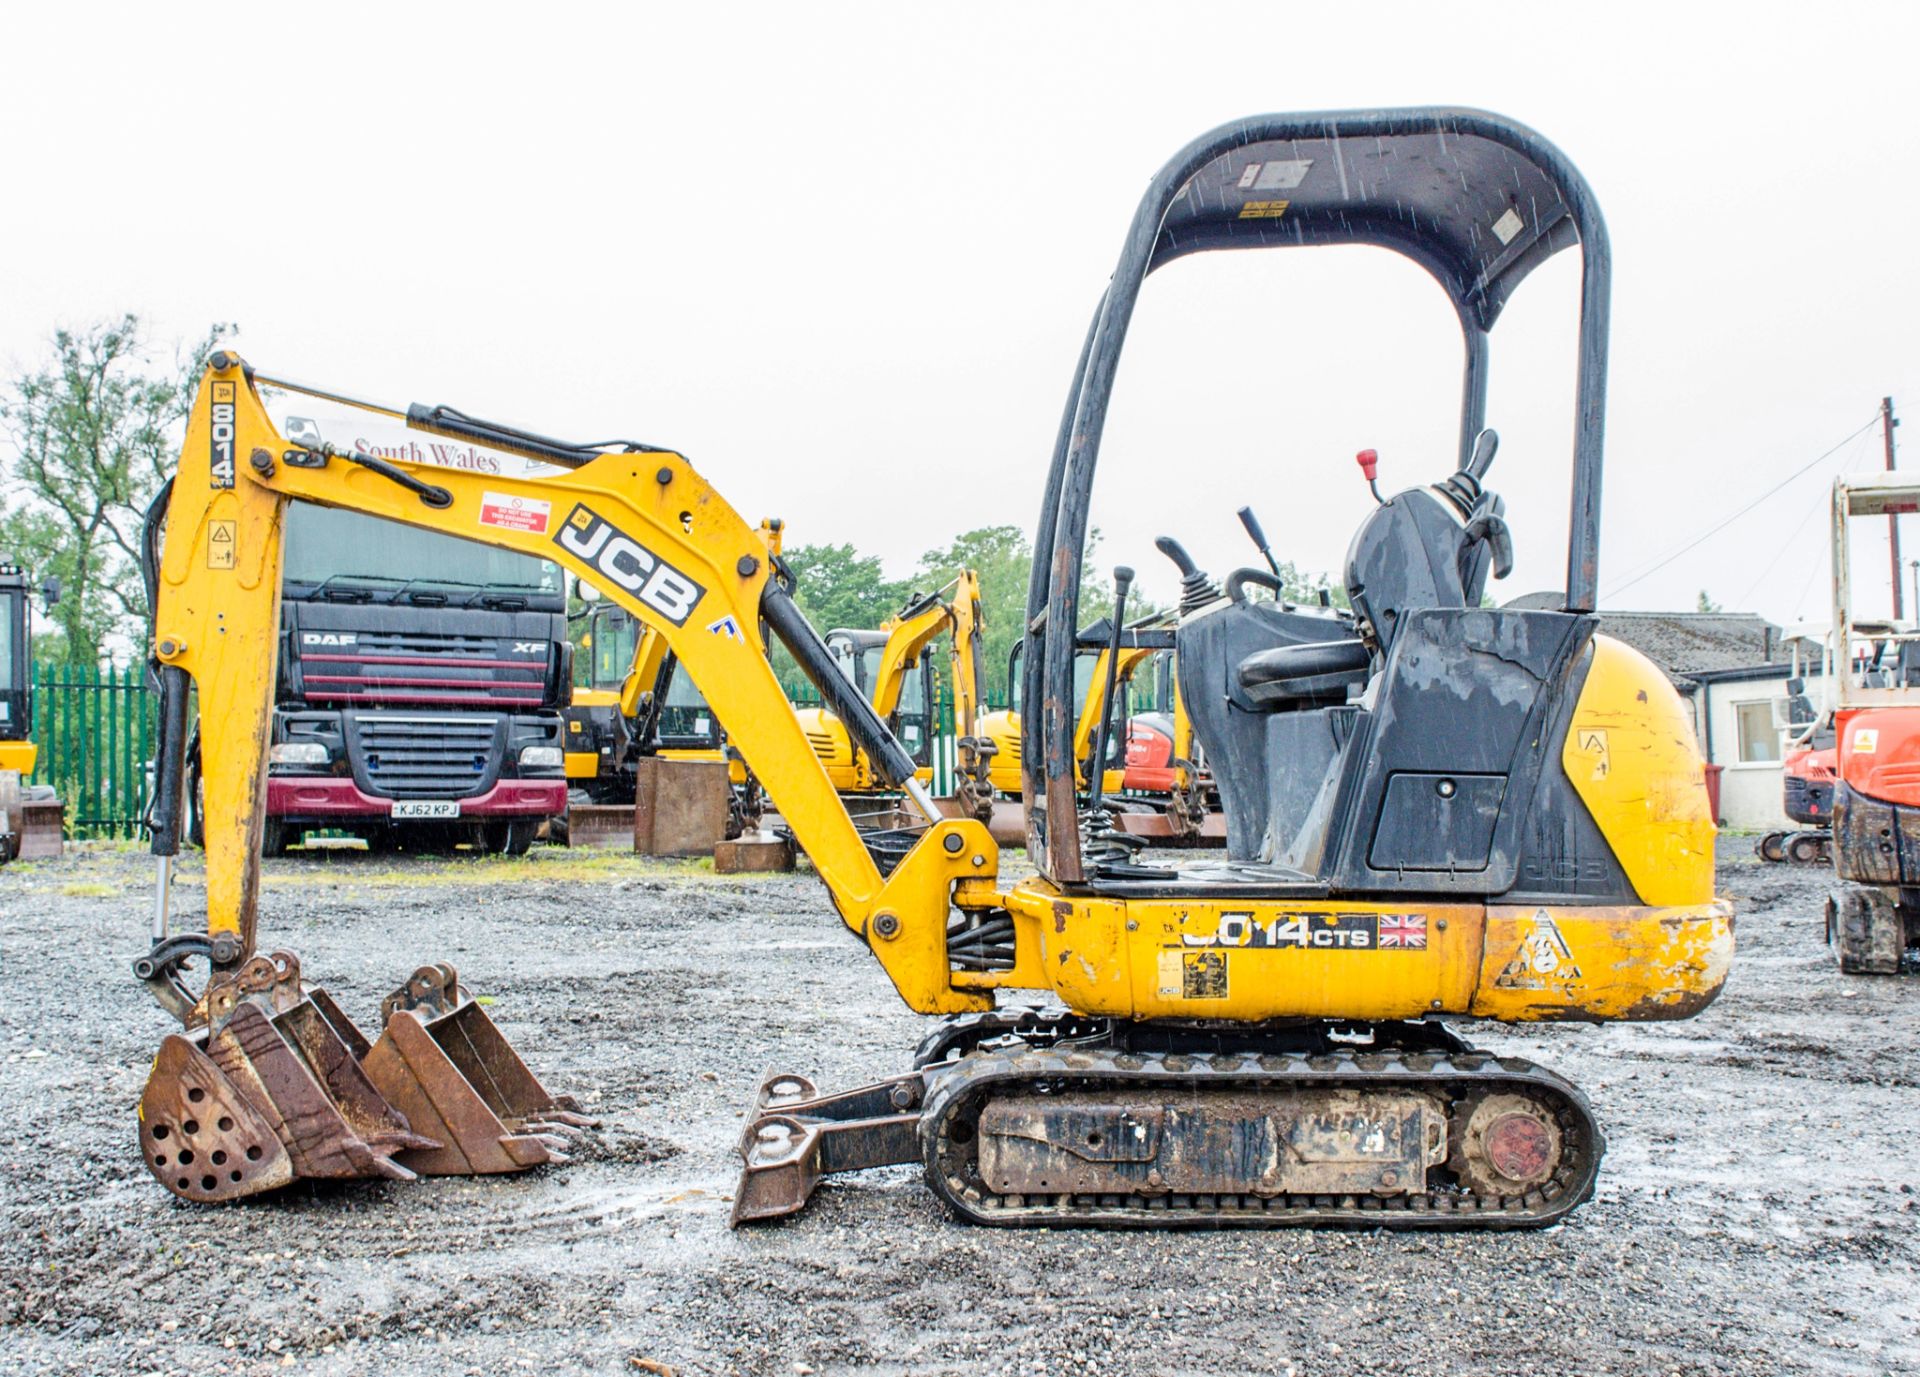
(1477, 200)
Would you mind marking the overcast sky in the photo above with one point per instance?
(843, 256)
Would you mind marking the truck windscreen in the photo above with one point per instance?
(343, 551)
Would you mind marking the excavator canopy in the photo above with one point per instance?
(1476, 199)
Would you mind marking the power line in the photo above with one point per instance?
(1819, 504)
(1721, 526)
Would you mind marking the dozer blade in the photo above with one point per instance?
(443, 1064)
(794, 1136)
(269, 1091)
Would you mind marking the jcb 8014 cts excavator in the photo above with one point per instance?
(1441, 811)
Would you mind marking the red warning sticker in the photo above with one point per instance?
(512, 513)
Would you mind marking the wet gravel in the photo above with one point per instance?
(1756, 1211)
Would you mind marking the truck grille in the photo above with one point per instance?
(416, 667)
(401, 755)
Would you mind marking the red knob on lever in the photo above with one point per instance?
(1369, 462)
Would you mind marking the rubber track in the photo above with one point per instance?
(957, 1094)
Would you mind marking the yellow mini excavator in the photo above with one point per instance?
(891, 667)
(1094, 685)
(1437, 811)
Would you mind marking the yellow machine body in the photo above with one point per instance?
(18, 755)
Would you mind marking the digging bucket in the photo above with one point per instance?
(269, 1090)
(443, 1063)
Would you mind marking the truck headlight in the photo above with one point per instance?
(298, 753)
(542, 758)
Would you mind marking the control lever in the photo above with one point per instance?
(1259, 538)
(1490, 526)
(1196, 589)
(1463, 488)
(1369, 462)
(1484, 446)
(1097, 766)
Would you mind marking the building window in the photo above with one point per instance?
(1759, 738)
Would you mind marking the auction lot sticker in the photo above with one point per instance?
(511, 513)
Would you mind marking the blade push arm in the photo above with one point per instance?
(643, 527)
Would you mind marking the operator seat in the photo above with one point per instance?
(1423, 548)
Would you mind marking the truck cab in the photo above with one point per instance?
(420, 686)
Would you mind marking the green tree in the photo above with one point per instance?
(1297, 585)
(1707, 604)
(1002, 556)
(94, 433)
(836, 585)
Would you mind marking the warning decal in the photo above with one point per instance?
(1203, 975)
(1866, 741)
(1263, 210)
(1542, 961)
(220, 544)
(1192, 975)
(511, 513)
(1592, 741)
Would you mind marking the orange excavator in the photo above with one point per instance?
(1808, 763)
(1873, 915)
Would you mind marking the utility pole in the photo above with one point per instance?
(1887, 423)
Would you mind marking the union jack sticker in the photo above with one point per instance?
(1404, 930)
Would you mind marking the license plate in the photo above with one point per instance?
(426, 808)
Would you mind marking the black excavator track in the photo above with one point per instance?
(1052, 1119)
(1073, 1077)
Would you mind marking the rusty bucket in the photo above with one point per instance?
(443, 1063)
(278, 1084)
(269, 1090)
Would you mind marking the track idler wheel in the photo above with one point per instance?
(1772, 847)
(1504, 1145)
(1807, 848)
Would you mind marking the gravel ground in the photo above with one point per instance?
(1756, 1210)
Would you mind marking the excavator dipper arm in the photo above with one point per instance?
(643, 527)
(269, 1082)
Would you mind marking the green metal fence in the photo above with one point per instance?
(94, 728)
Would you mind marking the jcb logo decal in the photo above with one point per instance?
(630, 565)
(222, 456)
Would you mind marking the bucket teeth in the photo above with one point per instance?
(281, 1085)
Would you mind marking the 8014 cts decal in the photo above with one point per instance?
(588, 536)
(1326, 931)
(220, 474)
